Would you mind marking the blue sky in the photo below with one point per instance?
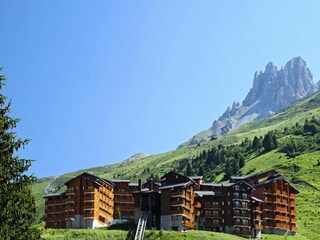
(96, 81)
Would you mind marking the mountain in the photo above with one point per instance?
(303, 170)
(272, 91)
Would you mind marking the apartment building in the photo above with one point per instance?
(245, 206)
(279, 205)
(88, 202)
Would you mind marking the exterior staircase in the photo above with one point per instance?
(141, 226)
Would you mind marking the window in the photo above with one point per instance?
(236, 194)
(244, 195)
(237, 187)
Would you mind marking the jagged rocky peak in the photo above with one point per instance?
(280, 88)
(272, 90)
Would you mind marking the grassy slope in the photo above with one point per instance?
(123, 235)
(307, 174)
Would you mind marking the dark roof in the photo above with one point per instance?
(212, 184)
(257, 199)
(253, 175)
(274, 179)
(119, 181)
(195, 177)
(208, 193)
(179, 175)
(96, 177)
(174, 185)
(55, 195)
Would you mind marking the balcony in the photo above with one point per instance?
(269, 192)
(88, 215)
(211, 224)
(294, 228)
(281, 209)
(293, 195)
(293, 220)
(258, 226)
(188, 224)
(269, 199)
(240, 215)
(242, 224)
(293, 204)
(293, 212)
(283, 226)
(180, 202)
(214, 215)
(177, 193)
(282, 218)
(269, 207)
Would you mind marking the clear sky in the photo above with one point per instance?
(96, 81)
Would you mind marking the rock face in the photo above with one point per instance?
(272, 91)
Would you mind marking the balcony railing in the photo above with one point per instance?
(242, 223)
(281, 209)
(284, 226)
(282, 218)
(293, 204)
(293, 195)
(245, 215)
(293, 220)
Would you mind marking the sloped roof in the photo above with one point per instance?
(96, 177)
(174, 185)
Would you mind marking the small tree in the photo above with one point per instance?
(118, 213)
(16, 201)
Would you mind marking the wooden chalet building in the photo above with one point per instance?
(245, 206)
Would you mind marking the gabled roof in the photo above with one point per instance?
(208, 193)
(93, 176)
(173, 172)
(196, 177)
(254, 175)
(120, 181)
(274, 179)
(174, 185)
(55, 195)
(257, 199)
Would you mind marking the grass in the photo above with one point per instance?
(302, 171)
(97, 234)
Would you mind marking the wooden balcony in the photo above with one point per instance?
(294, 228)
(293, 220)
(215, 215)
(240, 215)
(281, 209)
(258, 226)
(188, 224)
(293, 212)
(293, 204)
(269, 192)
(269, 199)
(211, 224)
(69, 208)
(248, 224)
(283, 226)
(180, 202)
(282, 218)
(88, 215)
(293, 195)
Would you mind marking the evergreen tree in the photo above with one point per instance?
(17, 206)
(268, 142)
(256, 143)
(188, 171)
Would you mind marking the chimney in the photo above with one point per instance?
(151, 184)
(140, 184)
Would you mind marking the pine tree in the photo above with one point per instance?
(17, 206)
(256, 143)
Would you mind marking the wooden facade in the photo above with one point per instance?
(245, 206)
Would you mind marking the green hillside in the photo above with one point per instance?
(301, 169)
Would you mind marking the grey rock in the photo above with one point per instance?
(272, 91)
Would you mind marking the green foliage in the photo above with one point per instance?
(16, 201)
